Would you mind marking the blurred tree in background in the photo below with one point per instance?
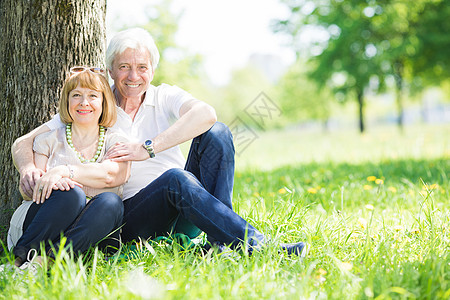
(362, 43)
(301, 99)
(431, 59)
(359, 49)
(245, 84)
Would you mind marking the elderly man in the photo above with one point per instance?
(164, 193)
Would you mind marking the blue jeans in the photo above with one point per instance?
(66, 212)
(192, 200)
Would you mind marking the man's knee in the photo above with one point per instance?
(177, 174)
(218, 140)
(179, 179)
(219, 131)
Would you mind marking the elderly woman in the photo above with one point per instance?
(82, 203)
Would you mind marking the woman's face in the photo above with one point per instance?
(85, 106)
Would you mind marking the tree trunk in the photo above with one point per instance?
(398, 67)
(41, 40)
(360, 98)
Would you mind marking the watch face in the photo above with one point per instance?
(148, 142)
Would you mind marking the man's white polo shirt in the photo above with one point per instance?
(159, 110)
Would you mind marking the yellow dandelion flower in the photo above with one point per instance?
(398, 227)
(362, 223)
(392, 189)
(379, 181)
(415, 230)
(367, 187)
(346, 266)
(312, 191)
(434, 186)
(371, 178)
(322, 272)
(282, 191)
(256, 194)
(369, 207)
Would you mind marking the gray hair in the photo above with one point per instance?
(134, 38)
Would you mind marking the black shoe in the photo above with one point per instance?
(299, 249)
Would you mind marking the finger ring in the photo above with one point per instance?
(40, 189)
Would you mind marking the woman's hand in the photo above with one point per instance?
(65, 184)
(44, 185)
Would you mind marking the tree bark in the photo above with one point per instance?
(41, 40)
(360, 98)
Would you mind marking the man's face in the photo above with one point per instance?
(132, 73)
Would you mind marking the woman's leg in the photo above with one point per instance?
(51, 218)
(101, 216)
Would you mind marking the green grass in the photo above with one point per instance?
(374, 208)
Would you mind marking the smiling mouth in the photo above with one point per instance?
(132, 85)
(84, 112)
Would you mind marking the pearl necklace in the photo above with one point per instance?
(101, 140)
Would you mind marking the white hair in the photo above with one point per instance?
(133, 38)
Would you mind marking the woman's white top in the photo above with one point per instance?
(53, 144)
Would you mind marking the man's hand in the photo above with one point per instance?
(28, 180)
(44, 185)
(127, 152)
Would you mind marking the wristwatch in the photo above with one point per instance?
(148, 145)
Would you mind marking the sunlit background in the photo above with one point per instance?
(279, 69)
(225, 33)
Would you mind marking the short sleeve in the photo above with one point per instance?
(41, 143)
(174, 98)
(114, 137)
(54, 123)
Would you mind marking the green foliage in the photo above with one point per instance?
(431, 60)
(365, 42)
(300, 98)
(245, 85)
